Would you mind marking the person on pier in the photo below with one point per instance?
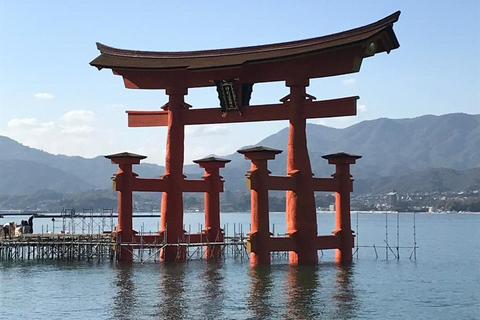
(7, 227)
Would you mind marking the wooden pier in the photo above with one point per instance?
(64, 247)
(98, 247)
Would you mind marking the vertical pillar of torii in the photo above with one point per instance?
(343, 229)
(214, 182)
(300, 210)
(171, 221)
(123, 183)
(259, 235)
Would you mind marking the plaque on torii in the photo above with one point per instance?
(236, 71)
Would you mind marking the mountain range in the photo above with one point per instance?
(427, 153)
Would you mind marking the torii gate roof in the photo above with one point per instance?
(335, 54)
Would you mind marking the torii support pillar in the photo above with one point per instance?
(342, 162)
(171, 221)
(259, 232)
(214, 183)
(123, 183)
(301, 210)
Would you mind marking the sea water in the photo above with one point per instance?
(442, 283)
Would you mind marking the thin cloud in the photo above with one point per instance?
(78, 116)
(349, 82)
(43, 128)
(16, 123)
(77, 130)
(44, 95)
(198, 131)
(362, 108)
(215, 129)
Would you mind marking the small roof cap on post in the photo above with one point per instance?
(341, 157)
(125, 155)
(212, 159)
(259, 149)
(212, 162)
(259, 153)
(125, 158)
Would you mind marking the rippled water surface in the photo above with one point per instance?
(443, 283)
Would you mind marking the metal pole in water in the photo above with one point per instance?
(415, 237)
(357, 235)
(414, 252)
(141, 242)
(386, 235)
(398, 235)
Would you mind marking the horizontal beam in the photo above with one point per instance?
(161, 185)
(147, 118)
(276, 244)
(268, 112)
(274, 183)
(282, 244)
(326, 184)
(281, 183)
(195, 186)
(327, 242)
(150, 185)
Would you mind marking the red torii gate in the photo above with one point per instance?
(234, 71)
(125, 181)
(302, 229)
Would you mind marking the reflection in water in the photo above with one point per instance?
(309, 298)
(213, 296)
(346, 303)
(125, 297)
(259, 300)
(172, 291)
(302, 284)
(204, 291)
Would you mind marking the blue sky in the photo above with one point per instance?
(52, 99)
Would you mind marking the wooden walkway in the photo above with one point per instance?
(57, 247)
(98, 247)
